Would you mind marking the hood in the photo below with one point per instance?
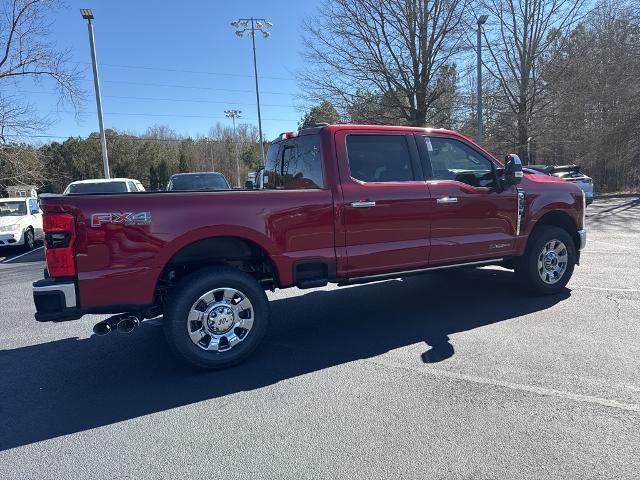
(542, 178)
(10, 220)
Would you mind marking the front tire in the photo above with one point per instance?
(548, 262)
(215, 318)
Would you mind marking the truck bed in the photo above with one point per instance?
(288, 224)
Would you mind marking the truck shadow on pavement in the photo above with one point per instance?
(618, 215)
(72, 385)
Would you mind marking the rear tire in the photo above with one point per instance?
(548, 262)
(215, 318)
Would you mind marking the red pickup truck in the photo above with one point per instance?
(340, 203)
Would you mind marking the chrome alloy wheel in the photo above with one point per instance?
(552, 261)
(220, 319)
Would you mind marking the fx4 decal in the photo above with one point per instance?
(121, 218)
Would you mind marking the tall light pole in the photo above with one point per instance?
(481, 21)
(250, 26)
(529, 150)
(87, 14)
(233, 114)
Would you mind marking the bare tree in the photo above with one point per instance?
(26, 51)
(389, 49)
(518, 39)
(21, 165)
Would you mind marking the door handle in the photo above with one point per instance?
(446, 200)
(366, 204)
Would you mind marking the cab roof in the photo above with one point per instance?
(380, 128)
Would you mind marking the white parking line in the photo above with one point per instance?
(539, 390)
(610, 244)
(604, 289)
(21, 255)
(604, 252)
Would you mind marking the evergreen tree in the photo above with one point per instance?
(325, 112)
(163, 174)
(153, 178)
(183, 164)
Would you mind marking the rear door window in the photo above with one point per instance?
(272, 166)
(294, 164)
(379, 158)
(301, 164)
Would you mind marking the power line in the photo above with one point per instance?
(141, 114)
(179, 100)
(184, 100)
(180, 70)
(146, 84)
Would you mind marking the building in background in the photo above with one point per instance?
(13, 191)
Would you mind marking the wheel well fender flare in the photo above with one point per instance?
(560, 219)
(226, 236)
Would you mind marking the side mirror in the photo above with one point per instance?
(512, 170)
(248, 184)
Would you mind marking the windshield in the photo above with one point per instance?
(13, 209)
(102, 187)
(199, 181)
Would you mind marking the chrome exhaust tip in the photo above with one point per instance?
(102, 328)
(128, 324)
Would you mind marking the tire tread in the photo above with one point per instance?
(526, 265)
(175, 328)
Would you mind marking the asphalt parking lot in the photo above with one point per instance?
(441, 376)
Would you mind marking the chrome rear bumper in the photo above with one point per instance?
(55, 301)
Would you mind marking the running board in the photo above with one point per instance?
(408, 273)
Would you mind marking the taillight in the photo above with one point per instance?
(59, 237)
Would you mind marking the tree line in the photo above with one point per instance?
(151, 158)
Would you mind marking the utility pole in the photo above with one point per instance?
(87, 14)
(250, 26)
(481, 21)
(233, 114)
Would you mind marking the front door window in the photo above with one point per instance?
(453, 160)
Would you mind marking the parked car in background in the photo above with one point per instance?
(20, 222)
(104, 185)
(202, 181)
(570, 173)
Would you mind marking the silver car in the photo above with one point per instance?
(570, 173)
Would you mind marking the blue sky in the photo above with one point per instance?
(182, 62)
